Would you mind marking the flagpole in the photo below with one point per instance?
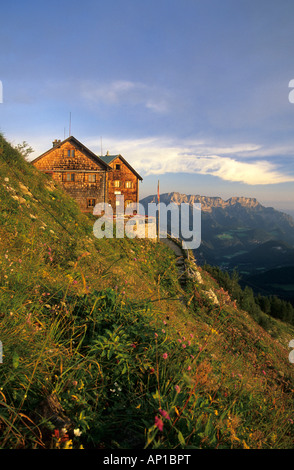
(158, 202)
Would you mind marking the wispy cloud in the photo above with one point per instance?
(156, 156)
(121, 92)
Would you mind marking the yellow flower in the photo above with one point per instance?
(68, 444)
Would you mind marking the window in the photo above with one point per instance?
(129, 184)
(117, 166)
(92, 178)
(70, 176)
(71, 153)
(91, 202)
(116, 183)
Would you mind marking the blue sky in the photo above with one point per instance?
(194, 93)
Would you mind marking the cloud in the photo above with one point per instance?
(157, 156)
(121, 92)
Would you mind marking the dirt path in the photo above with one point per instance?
(180, 262)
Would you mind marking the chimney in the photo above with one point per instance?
(56, 142)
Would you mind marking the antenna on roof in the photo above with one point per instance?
(69, 124)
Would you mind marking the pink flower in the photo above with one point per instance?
(156, 335)
(158, 423)
(164, 414)
(179, 340)
(177, 388)
(164, 355)
(264, 373)
(189, 367)
(183, 345)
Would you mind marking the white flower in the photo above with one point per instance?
(77, 432)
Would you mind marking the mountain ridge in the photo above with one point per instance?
(209, 202)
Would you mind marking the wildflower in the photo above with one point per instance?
(77, 432)
(189, 367)
(179, 340)
(118, 388)
(158, 423)
(163, 331)
(177, 388)
(68, 444)
(164, 355)
(192, 357)
(133, 345)
(183, 345)
(164, 414)
(156, 335)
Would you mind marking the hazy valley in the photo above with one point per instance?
(241, 234)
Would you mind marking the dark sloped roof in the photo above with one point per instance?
(109, 158)
(80, 146)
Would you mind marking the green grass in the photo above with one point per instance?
(104, 349)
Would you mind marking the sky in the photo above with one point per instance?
(193, 93)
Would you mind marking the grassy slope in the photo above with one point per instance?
(98, 336)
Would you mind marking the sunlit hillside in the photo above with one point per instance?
(105, 346)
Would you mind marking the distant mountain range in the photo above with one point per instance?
(242, 234)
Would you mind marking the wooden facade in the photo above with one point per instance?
(123, 179)
(87, 178)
